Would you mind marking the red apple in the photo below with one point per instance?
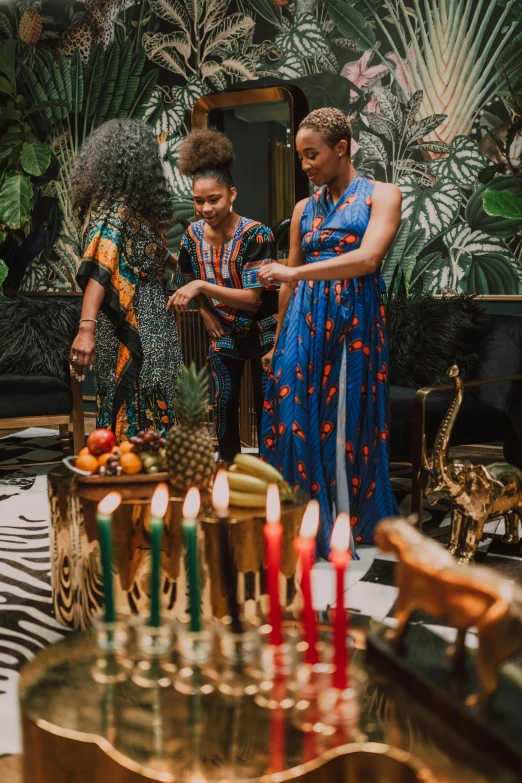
(101, 441)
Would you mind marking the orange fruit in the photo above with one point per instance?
(131, 463)
(83, 452)
(125, 447)
(87, 462)
(102, 459)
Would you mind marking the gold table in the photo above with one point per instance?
(76, 579)
(77, 731)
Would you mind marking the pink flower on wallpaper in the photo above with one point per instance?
(402, 68)
(360, 74)
(372, 107)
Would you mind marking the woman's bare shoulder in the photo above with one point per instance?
(387, 192)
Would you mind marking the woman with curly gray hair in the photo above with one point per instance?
(120, 199)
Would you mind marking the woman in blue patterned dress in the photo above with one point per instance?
(326, 409)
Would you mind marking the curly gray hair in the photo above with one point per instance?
(121, 159)
(332, 124)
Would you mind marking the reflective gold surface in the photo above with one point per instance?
(75, 730)
(75, 563)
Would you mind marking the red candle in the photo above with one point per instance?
(339, 556)
(273, 539)
(305, 546)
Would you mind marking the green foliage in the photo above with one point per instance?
(4, 271)
(493, 222)
(503, 204)
(22, 155)
(82, 97)
(16, 194)
(72, 99)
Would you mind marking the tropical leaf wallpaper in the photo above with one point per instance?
(433, 88)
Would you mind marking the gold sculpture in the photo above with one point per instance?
(428, 578)
(477, 492)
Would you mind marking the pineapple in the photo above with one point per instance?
(190, 452)
(30, 28)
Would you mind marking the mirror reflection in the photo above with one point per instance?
(263, 171)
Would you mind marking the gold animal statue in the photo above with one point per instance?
(428, 578)
(477, 492)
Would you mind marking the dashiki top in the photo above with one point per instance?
(233, 265)
(138, 352)
(326, 417)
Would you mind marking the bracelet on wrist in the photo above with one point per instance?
(92, 320)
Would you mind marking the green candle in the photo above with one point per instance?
(158, 509)
(190, 530)
(104, 514)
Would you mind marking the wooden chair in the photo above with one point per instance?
(43, 401)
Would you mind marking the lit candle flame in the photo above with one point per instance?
(191, 504)
(341, 533)
(220, 492)
(160, 501)
(310, 521)
(273, 505)
(109, 503)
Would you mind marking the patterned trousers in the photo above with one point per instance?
(227, 374)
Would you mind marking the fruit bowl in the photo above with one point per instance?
(85, 477)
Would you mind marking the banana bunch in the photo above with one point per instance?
(249, 479)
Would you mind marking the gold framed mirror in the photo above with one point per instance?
(261, 124)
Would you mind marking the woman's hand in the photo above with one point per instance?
(266, 361)
(82, 352)
(212, 324)
(271, 272)
(184, 295)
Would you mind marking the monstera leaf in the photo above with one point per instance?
(15, 200)
(463, 164)
(431, 209)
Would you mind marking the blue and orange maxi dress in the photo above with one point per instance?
(326, 416)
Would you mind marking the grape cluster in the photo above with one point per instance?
(150, 445)
(112, 466)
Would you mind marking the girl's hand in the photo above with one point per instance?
(82, 353)
(266, 361)
(184, 295)
(212, 324)
(271, 272)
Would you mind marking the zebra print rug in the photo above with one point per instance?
(26, 621)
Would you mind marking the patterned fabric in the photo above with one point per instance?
(138, 353)
(227, 375)
(233, 265)
(325, 425)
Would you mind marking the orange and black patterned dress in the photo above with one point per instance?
(138, 352)
(248, 335)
